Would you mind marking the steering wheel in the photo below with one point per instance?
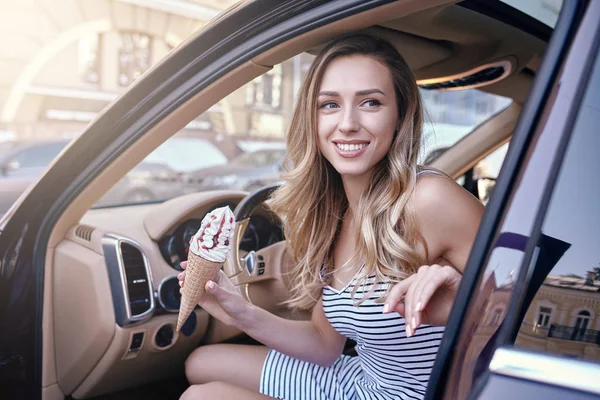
(235, 264)
(262, 276)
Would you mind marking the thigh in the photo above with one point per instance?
(221, 391)
(239, 365)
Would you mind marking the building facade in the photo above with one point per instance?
(63, 62)
(564, 318)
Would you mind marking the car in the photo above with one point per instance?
(21, 162)
(158, 177)
(248, 171)
(89, 295)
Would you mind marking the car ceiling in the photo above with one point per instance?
(447, 40)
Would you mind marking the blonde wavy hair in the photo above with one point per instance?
(312, 201)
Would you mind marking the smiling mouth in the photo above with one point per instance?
(351, 147)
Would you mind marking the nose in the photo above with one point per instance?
(348, 123)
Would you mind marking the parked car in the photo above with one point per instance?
(248, 171)
(88, 297)
(158, 177)
(21, 163)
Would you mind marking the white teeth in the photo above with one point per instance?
(351, 147)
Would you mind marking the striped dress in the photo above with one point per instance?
(388, 366)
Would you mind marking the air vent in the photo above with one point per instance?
(481, 76)
(130, 280)
(136, 276)
(84, 232)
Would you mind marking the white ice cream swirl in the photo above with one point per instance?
(211, 242)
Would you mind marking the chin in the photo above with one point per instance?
(351, 172)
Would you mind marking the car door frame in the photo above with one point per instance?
(530, 127)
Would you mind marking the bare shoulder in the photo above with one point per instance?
(448, 216)
(436, 192)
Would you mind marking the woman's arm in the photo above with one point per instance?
(315, 341)
(449, 218)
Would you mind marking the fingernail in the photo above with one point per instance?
(419, 306)
(386, 308)
(180, 275)
(408, 331)
(413, 323)
(180, 283)
(211, 285)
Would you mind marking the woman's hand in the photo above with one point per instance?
(425, 297)
(221, 299)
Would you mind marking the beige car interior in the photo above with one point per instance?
(85, 352)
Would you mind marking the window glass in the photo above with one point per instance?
(240, 142)
(481, 179)
(558, 313)
(134, 56)
(564, 315)
(452, 115)
(545, 11)
(39, 155)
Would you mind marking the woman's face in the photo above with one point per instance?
(357, 114)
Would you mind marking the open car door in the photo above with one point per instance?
(525, 323)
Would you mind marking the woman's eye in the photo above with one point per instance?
(329, 105)
(372, 103)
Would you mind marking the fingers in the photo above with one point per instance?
(410, 302)
(220, 292)
(183, 264)
(430, 278)
(428, 275)
(395, 299)
(442, 276)
(181, 278)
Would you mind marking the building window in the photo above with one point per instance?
(134, 56)
(89, 59)
(265, 90)
(543, 320)
(581, 324)
(496, 316)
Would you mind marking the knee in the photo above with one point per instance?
(193, 392)
(196, 363)
(199, 392)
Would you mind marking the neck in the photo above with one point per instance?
(354, 186)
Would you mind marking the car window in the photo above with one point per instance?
(452, 115)
(233, 144)
(481, 179)
(6, 148)
(561, 306)
(564, 315)
(545, 11)
(38, 155)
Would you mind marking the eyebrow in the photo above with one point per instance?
(359, 93)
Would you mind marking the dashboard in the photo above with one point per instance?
(126, 310)
(260, 233)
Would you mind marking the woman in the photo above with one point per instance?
(360, 218)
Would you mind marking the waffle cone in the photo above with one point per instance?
(198, 272)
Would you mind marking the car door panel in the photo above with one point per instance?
(510, 279)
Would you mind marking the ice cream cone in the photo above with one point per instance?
(198, 272)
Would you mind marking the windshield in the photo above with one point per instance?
(545, 11)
